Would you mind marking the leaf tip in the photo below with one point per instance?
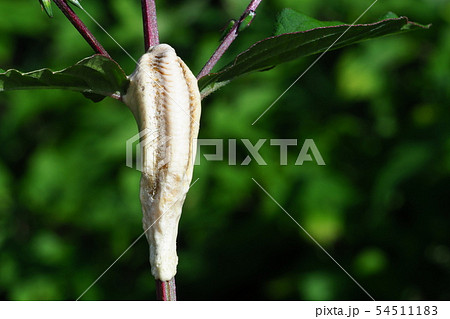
(47, 7)
(76, 3)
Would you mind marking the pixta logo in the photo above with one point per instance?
(147, 140)
(308, 148)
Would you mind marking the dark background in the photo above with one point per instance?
(377, 111)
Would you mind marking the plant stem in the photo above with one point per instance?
(151, 36)
(229, 38)
(82, 29)
(166, 290)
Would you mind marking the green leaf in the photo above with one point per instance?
(289, 21)
(227, 29)
(245, 23)
(47, 6)
(389, 15)
(293, 45)
(77, 3)
(95, 76)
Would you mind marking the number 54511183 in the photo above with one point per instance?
(407, 310)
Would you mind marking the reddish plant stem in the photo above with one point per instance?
(166, 290)
(229, 38)
(82, 29)
(151, 36)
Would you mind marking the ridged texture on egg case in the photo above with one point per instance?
(165, 100)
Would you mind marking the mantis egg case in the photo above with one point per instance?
(165, 100)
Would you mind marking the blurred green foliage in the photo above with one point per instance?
(377, 111)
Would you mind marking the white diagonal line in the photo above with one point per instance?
(312, 238)
(137, 63)
(129, 247)
(312, 64)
